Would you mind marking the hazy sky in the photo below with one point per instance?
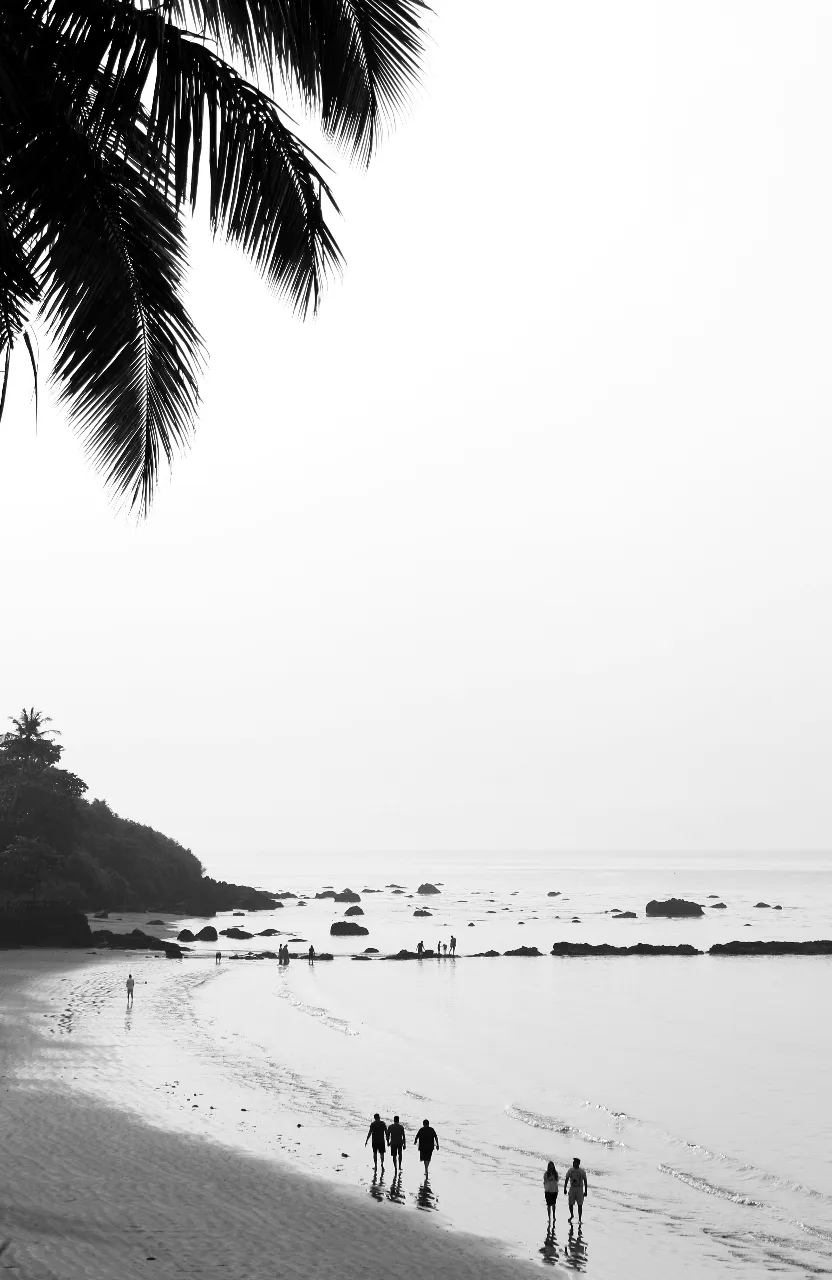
(525, 542)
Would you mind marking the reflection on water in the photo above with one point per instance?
(574, 1254)
(377, 1187)
(549, 1249)
(396, 1192)
(425, 1199)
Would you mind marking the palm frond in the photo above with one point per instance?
(112, 254)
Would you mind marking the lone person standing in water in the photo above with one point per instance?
(378, 1132)
(398, 1142)
(575, 1184)
(426, 1140)
(130, 985)
(453, 945)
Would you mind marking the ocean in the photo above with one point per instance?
(693, 1089)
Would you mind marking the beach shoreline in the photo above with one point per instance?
(98, 1191)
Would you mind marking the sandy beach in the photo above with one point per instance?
(92, 1190)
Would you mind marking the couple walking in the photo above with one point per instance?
(574, 1183)
(394, 1136)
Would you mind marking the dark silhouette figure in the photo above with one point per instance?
(378, 1132)
(453, 945)
(311, 954)
(218, 958)
(130, 983)
(426, 1141)
(575, 1184)
(420, 946)
(550, 1190)
(397, 1142)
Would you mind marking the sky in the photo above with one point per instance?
(524, 542)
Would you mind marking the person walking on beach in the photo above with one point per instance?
(218, 958)
(550, 1190)
(575, 1184)
(426, 1140)
(453, 945)
(378, 1132)
(397, 1141)
(130, 985)
(311, 954)
(420, 946)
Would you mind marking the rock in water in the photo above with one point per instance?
(762, 904)
(718, 906)
(347, 895)
(625, 915)
(524, 951)
(347, 929)
(420, 911)
(185, 936)
(327, 893)
(208, 934)
(234, 932)
(354, 911)
(553, 893)
(428, 888)
(673, 907)
(819, 948)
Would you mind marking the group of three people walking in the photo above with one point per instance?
(394, 1137)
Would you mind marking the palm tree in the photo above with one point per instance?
(113, 114)
(30, 744)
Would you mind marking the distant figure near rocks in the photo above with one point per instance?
(311, 954)
(130, 985)
(453, 945)
(218, 958)
(420, 947)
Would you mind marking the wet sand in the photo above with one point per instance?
(93, 1190)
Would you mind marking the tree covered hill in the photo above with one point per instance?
(55, 844)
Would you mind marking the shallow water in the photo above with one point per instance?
(694, 1090)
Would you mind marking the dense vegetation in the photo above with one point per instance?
(55, 844)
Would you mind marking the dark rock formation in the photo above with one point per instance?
(42, 924)
(347, 895)
(428, 888)
(301, 903)
(238, 913)
(347, 929)
(185, 935)
(762, 904)
(718, 906)
(284, 895)
(354, 911)
(777, 907)
(235, 932)
(820, 948)
(208, 934)
(553, 893)
(471, 925)
(371, 951)
(673, 907)
(420, 911)
(362, 957)
(327, 893)
(399, 891)
(135, 941)
(524, 951)
(404, 955)
(606, 949)
(394, 886)
(268, 933)
(625, 915)
(478, 955)
(149, 921)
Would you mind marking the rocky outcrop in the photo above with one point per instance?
(234, 932)
(763, 904)
(135, 941)
(673, 907)
(399, 891)
(718, 906)
(285, 894)
(354, 911)
(347, 895)
(482, 955)
(268, 933)
(428, 888)
(524, 951)
(420, 911)
(238, 913)
(553, 893)
(819, 948)
(42, 924)
(347, 929)
(606, 949)
(185, 935)
(208, 934)
(156, 922)
(625, 915)
(371, 951)
(326, 893)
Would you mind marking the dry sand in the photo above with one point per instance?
(88, 1190)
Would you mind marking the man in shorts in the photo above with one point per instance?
(130, 984)
(378, 1132)
(397, 1141)
(426, 1140)
(575, 1184)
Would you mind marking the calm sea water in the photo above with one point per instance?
(694, 1090)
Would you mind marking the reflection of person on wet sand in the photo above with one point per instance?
(130, 984)
(378, 1132)
(550, 1190)
(575, 1184)
(398, 1142)
(426, 1140)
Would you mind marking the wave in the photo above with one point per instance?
(710, 1188)
(554, 1125)
(312, 1011)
